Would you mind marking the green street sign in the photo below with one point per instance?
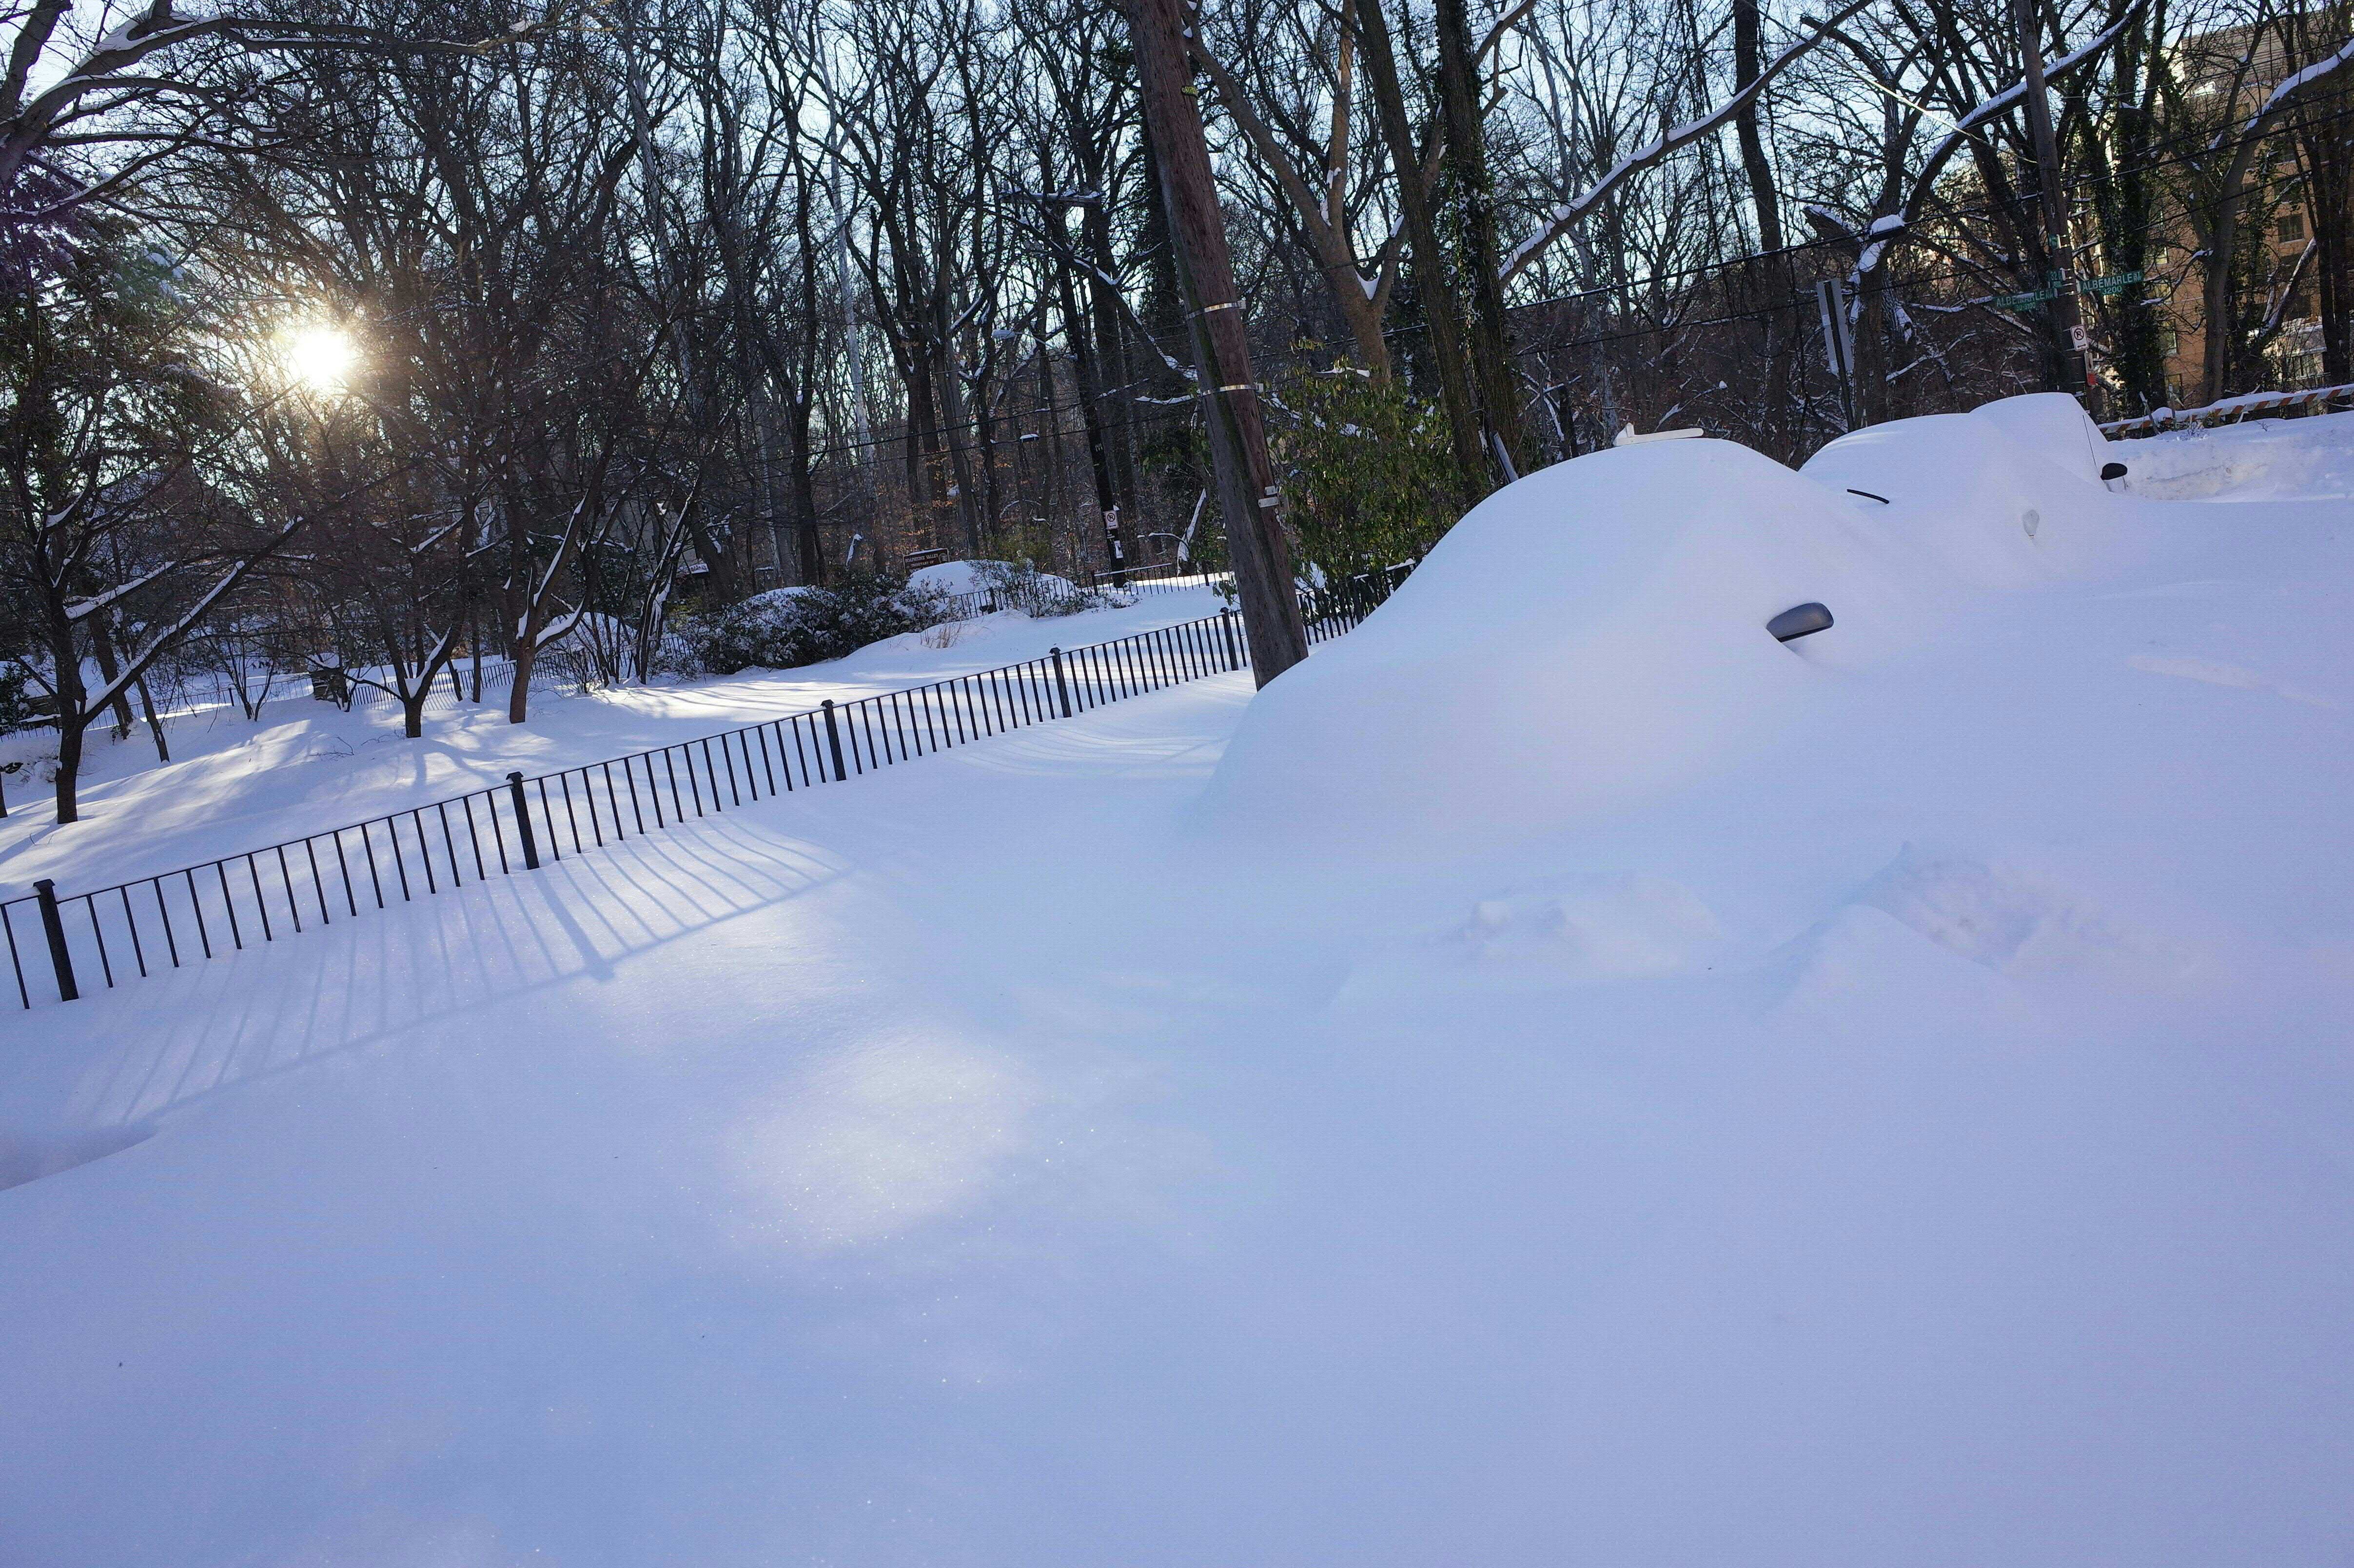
(2025, 302)
(2117, 284)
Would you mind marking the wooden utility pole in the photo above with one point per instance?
(2067, 320)
(1090, 382)
(1230, 399)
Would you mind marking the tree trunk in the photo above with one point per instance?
(69, 738)
(801, 400)
(102, 648)
(2125, 199)
(764, 446)
(2329, 211)
(1441, 313)
(2220, 273)
(155, 725)
(526, 655)
(1111, 348)
(912, 358)
(72, 700)
(2061, 313)
(519, 615)
(1871, 366)
(1747, 64)
(1091, 420)
(950, 380)
(1163, 311)
(813, 547)
(1475, 202)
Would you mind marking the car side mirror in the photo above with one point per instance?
(1800, 620)
(2110, 470)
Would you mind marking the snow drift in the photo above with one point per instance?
(2005, 496)
(1596, 632)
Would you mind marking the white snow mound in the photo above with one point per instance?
(1595, 632)
(952, 576)
(2004, 495)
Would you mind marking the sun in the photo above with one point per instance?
(320, 357)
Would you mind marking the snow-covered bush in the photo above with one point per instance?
(792, 626)
(1020, 585)
(28, 756)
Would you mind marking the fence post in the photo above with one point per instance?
(1062, 688)
(1226, 625)
(46, 892)
(833, 740)
(3, 792)
(522, 821)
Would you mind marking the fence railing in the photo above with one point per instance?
(2231, 410)
(151, 924)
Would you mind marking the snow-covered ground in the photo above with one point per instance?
(1691, 1100)
(2265, 460)
(309, 767)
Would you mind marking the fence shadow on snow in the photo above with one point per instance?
(373, 979)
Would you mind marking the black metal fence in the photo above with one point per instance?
(142, 926)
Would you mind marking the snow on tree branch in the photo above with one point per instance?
(2289, 89)
(83, 608)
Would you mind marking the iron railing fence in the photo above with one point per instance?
(167, 921)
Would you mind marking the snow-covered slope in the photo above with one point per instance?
(308, 766)
(2267, 459)
(1909, 1128)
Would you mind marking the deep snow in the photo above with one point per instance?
(1898, 1117)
